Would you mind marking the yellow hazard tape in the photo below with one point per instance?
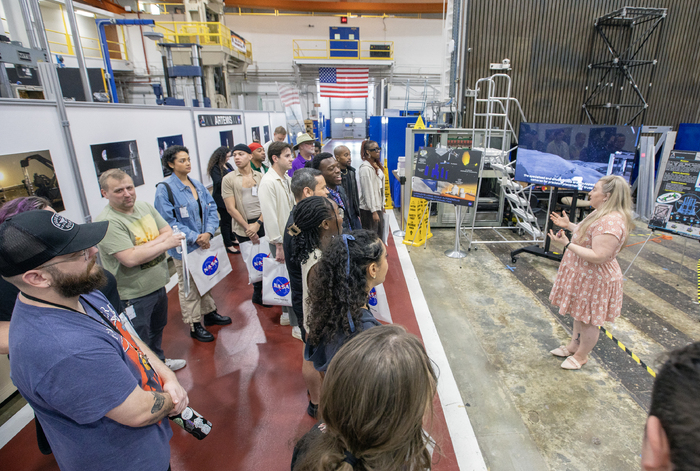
(625, 349)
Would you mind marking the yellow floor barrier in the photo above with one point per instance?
(388, 204)
(418, 223)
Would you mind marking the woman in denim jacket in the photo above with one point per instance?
(194, 213)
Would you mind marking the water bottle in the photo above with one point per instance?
(193, 423)
(177, 231)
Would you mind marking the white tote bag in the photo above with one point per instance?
(378, 305)
(253, 255)
(385, 231)
(209, 266)
(276, 289)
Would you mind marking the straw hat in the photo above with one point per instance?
(302, 138)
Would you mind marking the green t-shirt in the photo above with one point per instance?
(130, 230)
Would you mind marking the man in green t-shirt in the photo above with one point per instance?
(133, 250)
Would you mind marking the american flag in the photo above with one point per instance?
(344, 82)
(289, 94)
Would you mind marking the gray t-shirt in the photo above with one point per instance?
(130, 230)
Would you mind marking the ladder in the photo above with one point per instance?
(491, 119)
(412, 105)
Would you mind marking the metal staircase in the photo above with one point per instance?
(413, 104)
(491, 117)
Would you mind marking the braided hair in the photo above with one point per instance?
(364, 154)
(308, 215)
(339, 286)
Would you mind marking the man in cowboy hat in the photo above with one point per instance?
(305, 146)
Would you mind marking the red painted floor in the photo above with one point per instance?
(248, 383)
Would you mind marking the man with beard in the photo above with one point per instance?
(100, 393)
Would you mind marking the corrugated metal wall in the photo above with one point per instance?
(549, 44)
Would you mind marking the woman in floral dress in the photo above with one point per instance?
(588, 286)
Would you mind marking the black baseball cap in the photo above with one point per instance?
(32, 238)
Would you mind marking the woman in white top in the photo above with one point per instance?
(371, 188)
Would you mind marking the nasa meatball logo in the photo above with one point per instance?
(258, 261)
(373, 297)
(59, 222)
(280, 286)
(210, 265)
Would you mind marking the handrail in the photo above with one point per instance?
(165, 6)
(205, 34)
(68, 44)
(322, 49)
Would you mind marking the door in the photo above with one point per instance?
(348, 118)
(345, 42)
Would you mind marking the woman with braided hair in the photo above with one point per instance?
(373, 416)
(339, 289)
(316, 221)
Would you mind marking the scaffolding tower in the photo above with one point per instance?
(613, 95)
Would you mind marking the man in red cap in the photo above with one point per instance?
(259, 157)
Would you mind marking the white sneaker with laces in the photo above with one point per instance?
(296, 333)
(175, 364)
(284, 318)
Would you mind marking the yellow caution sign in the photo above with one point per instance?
(419, 124)
(418, 223)
(388, 204)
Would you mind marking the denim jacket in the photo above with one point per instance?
(185, 204)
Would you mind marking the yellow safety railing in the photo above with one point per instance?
(205, 34)
(61, 42)
(356, 50)
(161, 8)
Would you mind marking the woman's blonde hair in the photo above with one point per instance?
(619, 200)
(377, 390)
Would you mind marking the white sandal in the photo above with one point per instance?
(572, 363)
(561, 352)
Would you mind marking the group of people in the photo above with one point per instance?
(85, 341)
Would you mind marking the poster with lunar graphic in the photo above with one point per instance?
(447, 175)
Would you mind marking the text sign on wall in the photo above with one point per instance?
(218, 119)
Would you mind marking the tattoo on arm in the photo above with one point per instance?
(578, 338)
(158, 403)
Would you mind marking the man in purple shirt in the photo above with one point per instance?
(305, 146)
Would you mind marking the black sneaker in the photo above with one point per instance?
(312, 410)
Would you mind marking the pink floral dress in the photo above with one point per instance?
(589, 292)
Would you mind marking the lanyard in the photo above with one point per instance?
(107, 323)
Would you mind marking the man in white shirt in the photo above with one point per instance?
(279, 135)
(276, 203)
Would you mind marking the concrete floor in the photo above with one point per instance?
(497, 328)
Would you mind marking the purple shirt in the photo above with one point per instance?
(298, 163)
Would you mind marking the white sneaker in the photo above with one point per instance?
(284, 318)
(175, 364)
(296, 333)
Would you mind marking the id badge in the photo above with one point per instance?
(126, 323)
(183, 212)
(130, 312)
(255, 190)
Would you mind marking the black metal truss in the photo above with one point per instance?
(604, 97)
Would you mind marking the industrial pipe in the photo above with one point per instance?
(105, 49)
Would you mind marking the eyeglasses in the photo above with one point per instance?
(72, 258)
(375, 149)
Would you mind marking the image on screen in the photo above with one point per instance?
(688, 137)
(571, 155)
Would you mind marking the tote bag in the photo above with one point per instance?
(378, 305)
(276, 289)
(209, 266)
(253, 255)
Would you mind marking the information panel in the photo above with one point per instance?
(447, 175)
(677, 207)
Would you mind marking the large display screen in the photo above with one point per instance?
(574, 156)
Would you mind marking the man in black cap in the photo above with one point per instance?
(101, 395)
